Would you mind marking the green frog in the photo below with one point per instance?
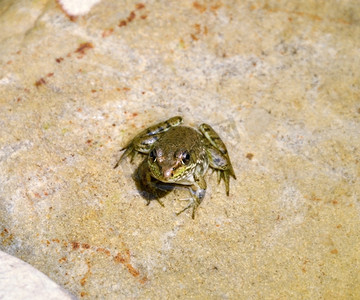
(180, 155)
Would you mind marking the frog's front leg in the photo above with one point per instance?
(218, 156)
(197, 190)
(144, 140)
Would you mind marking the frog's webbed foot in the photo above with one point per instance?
(197, 191)
(225, 175)
(218, 156)
(140, 144)
(129, 151)
(194, 204)
(222, 166)
(191, 204)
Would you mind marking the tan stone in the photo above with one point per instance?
(279, 81)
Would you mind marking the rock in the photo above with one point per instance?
(280, 84)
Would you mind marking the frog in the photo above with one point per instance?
(180, 155)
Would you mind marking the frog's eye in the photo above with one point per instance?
(186, 157)
(153, 154)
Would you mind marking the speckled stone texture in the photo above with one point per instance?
(278, 80)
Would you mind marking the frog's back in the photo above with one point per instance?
(182, 137)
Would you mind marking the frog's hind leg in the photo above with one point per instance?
(218, 155)
(162, 126)
(144, 140)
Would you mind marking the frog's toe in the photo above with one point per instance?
(227, 185)
(194, 202)
(117, 164)
(224, 175)
(186, 208)
(160, 202)
(193, 212)
(126, 153)
(132, 156)
(231, 171)
(129, 151)
(219, 175)
(194, 206)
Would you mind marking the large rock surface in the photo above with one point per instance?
(280, 83)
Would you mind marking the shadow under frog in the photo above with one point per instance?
(148, 187)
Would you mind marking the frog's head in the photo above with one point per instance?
(170, 167)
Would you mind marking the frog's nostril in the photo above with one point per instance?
(168, 172)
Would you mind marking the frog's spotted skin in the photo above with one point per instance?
(219, 158)
(146, 138)
(181, 155)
